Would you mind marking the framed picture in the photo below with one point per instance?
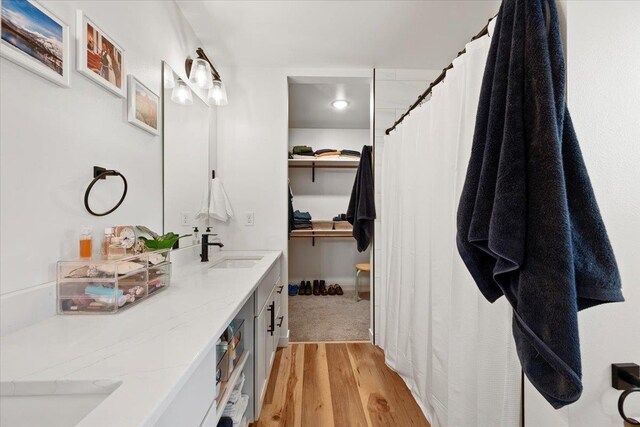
(35, 39)
(100, 58)
(143, 106)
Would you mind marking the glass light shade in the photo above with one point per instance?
(218, 93)
(200, 74)
(340, 104)
(181, 93)
(169, 80)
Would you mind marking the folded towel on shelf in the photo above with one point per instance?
(349, 153)
(237, 410)
(219, 205)
(305, 156)
(325, 150)
(304, 216)
(328, 154)
(528, 225)
(362, 208)
(302, 149)
(341, 217)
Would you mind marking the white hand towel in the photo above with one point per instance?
(203, 212)
(219, 205)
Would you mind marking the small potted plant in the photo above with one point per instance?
(157, 242)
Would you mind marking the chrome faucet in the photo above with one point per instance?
(204, 256)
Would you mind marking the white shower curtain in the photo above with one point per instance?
(452, 347)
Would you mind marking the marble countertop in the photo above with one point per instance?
(150, 349)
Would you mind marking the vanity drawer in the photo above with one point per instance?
(271, 280)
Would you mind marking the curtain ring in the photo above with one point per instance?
(102, 174)
(621, 400)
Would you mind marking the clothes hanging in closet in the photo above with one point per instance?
(362, 210)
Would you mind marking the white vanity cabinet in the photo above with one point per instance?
(268, 322)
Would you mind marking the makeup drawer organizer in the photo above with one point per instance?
(106, 286)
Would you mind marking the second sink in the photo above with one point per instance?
(236, 262)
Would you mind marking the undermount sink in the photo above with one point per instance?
(236, 262)
(50, 403)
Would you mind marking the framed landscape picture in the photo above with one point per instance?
(35, 39)
(143, 106)
(100, 58)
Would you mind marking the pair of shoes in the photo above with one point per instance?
(323, 288)
(305, 288)
(293, 289)
(335, 290)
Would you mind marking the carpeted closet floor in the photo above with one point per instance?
(329, 318)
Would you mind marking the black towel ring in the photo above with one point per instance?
(102, 173)
(623, 397)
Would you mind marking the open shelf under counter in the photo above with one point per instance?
(314, 163)
(215, 411)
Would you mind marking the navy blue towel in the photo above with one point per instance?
(529, 227)
(362, 209)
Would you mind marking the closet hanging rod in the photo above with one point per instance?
(438, 79)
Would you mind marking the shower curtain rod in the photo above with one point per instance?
(438, 79)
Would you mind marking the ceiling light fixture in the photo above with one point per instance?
(340, 104)
(203, 74)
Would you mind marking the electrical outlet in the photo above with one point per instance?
(185, 218)
(249, 219)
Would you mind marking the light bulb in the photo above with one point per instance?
(181, 93)
(200, 74)
(218, 94)
(340, 104)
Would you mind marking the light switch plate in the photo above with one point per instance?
(185, 218)
(249, 219)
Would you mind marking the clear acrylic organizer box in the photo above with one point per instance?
(103, 286)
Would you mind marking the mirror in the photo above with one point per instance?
(186, 141)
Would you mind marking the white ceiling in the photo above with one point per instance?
(346, 34)
(310, 105)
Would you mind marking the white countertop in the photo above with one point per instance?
(151, 348)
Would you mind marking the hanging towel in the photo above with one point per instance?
(528, 225)
(362, 208)
(219, 205)
(203, 212)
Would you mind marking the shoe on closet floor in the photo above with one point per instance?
(331, 290)
(323, 288)
(301, 288)
(307, 288)
(316, 287)
(339, 290)
(293, 289)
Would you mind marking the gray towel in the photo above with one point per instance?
(528, 224)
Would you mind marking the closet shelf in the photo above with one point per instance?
(313, 234)
(320, 163)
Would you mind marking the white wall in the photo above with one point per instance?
(51, 138)
(395, 91)
(252, 155)
(604, 100)
(330, 259)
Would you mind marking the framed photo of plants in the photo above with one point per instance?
(35, 39)
(143, 106)
(100, 58)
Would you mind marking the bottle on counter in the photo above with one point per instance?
(86, 242)
(116, 248)
(106, 240)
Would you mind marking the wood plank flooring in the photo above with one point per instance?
(336, 384)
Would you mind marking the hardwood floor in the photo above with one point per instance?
(336, 384)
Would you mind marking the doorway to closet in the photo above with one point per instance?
(330, 290)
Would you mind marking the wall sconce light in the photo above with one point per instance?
(181, 93)
(202, 73)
